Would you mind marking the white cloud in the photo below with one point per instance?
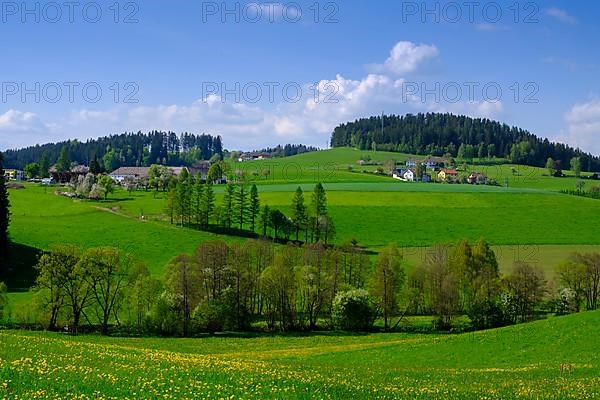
(583, 126)
(310, 120)
(18, 129)
(406, 57)
(561, 15)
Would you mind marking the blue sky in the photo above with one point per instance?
(167, 60)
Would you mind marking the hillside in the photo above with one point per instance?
(505, 363)
(374, 209)
(458, 136)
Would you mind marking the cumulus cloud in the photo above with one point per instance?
(19, 128)
(406, 57)
(561, 15)
(309, 120)
(583, 126)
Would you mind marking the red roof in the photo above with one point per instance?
(450, 172)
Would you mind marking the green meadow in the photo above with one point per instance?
(527, 221)
(522, 361)
(375, 210)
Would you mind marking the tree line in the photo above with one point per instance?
(258, 285)
(127, 149)
(191, 202)
(456, 136)
(287, 150)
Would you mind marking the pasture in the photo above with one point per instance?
(534, 224)
(512, 362)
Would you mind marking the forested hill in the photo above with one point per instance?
(126, 149)
(460, 136)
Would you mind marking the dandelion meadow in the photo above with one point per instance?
(521, 361)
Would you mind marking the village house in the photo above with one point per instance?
(123, 173)
(14, 175)
(410, 175)
(432, 163)
(399, 173)
(448, 175)
(200, 169)
(68, 176)
(477, 178)
(253, 156)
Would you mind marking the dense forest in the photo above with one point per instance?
(457, 136)
(287, 150)
(127, 149)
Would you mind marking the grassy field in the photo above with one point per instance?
(513, 362)
(332, 166)
(409, 218)
(538, 222)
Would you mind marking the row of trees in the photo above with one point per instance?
(127, 149)
(234, 287)
(458, 136)
(191, 202)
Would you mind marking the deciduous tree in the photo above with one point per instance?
(388, 281)
(108, 271)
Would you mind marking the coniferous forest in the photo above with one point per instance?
(457, 136)
(127, 149)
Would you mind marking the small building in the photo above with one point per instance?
(448, 175)
(399, 173)
(68, 176)
(410, 175)
(432, 163)
(253, 156)
(119, 175)
(14, 175)
(477, 178)
(123, 173)
(200, 169)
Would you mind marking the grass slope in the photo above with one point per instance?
(515, 362)
(40, 219)
(376, 210)
(332, 166)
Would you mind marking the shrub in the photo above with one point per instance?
(353, 310)
(209, 316)
(165, 317)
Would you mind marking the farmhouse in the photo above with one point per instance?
(200, 169)
(120, 174)
(68, 176)
(252, 156)
(448, 175)
(399, 173)
(410, 175)
(429, 163)
(477, 178)
(14, 175)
